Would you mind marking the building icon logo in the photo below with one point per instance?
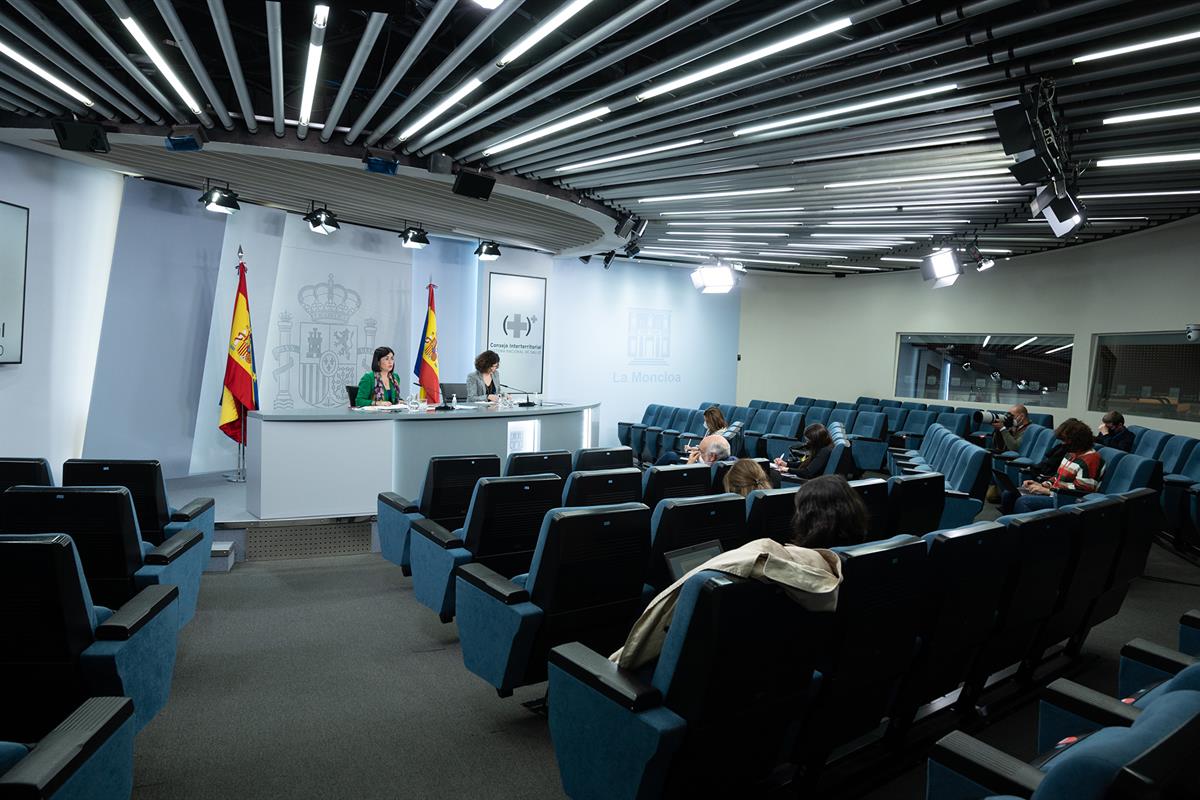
(649, 336)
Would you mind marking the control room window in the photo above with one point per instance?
(985, 369)
(1146, 374)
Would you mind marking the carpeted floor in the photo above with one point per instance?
(324, 678)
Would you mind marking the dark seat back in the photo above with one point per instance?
(769, 514)
(101, 522)
(599, 487)
(675, 480)
(721, 469)
(1141, 520)
(24, 472)
(556, 461)
(142, 477)
(915, 503)
(502, 524)
(449, 484)
(874, 494)
(602, 458)
(352, 394)
(682, 522)
(48, 622)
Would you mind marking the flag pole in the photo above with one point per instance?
(239, 473)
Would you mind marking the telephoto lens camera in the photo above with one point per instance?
(988, 417)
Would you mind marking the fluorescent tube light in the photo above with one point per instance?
(1133, 48)
(791, 254)
(755, 234)
(316, 41)
(895, 236)
(1137, 194)
(653, 251)
(941, 176)
(854, 267)
(710, 242)
(707, 195)
(738, 224)
(1030, 340)
(1162, 158)
(987, 338)
(847, 109)
(745, 58)
(966, 202)
(488, 4)
(901, 260)
(859, 223)
(547, 26)
(1145, 115)
(685, 248)
(148, 46)
(996, 250)
(1113, 219)
(855, 247)
(458, 94)
(539, 133)
(769, 261)
(729, 212)
(891, 148)
(595, 162)
(1058, 349)
(44, 75)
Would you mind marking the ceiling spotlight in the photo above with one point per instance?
(982, 262)
(942, 268)
(186, 139)
(487, 251)
(632, 249)
(586, 258)
(717, 279)
(222, 201)
(608, 258)
(321, 220)
(381, 162)
(416, 238)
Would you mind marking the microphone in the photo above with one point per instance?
(528, 403)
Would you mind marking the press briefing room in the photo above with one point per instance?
(604, 400)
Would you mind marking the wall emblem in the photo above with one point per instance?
(649, 336)
(517, 326)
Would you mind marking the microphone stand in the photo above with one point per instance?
(528, 403)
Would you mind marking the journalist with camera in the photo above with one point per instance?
(1009, 428)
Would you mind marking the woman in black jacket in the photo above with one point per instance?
(813, 455)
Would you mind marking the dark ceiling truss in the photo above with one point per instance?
(891, 96)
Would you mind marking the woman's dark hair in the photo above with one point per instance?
(380, 352)
(745, 476)
(1076, 435)
(828, 514)
(816, 437)
(485, 361)
(714, 420)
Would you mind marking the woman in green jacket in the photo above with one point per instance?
(379, 387)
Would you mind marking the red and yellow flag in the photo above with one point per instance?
(426, 368)
(241, 380)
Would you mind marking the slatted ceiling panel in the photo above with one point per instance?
(357, 196)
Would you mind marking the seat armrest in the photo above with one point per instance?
(1089, 704)
(436, 533)
(995, 770)
(907, 463)
(1194, 488)
(61, 752)
(174, 547)
(1155, 656)
(1007, 455)
(492, 583)
(1190, 619)
(1177, 479)
(401, 504)
(1077, 493)
(193, 509)
(597, 672)
(137, 611)
(912, 471)
(670, 432)
(956, 493)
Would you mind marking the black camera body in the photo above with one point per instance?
(988, 417)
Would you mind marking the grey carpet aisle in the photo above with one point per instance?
(325, 678)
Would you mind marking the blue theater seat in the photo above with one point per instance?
(1189, 632)
(556, 461)
(24, 472)
(637, 431)
(1036, 442)
(802, 401)
(720, 469)
(890, 404)
(60, 648)
(690, 432)
(444, 498)
(896, 417)
(144, 480)
(685, 521)
(830, 404)
(1123, 472)
(915, 425)
(602, 458)
(1045, 420)
(500, 531)
(959, 424)
(675, 480)
(817, 414)
(1141, 522)
(1175, 453)
(1175, 497)
(912, 406)
(88, 756)
(869, 440)
(1151, 443)
(769, 513)
(785, 425)
(915, 503)
(756, 404)
(584, 585)
(625, 429)
(652, 437)
(600, 487)
(939, 409)
(622, 735)
(866, 401)
(758, 426)
(846, 416)
(118, 564)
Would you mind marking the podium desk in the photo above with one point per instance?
(334, 463)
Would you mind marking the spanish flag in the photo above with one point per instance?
(241, 381)
(426, 368)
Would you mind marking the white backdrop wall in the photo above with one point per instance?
(73, 214)
(629, 336)
(836, 338)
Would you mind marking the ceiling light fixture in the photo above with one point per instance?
(713, 280)
(316, 42)
(1110, 195)
(729, 212)
(148, 47)
(539, 133)
(541, 31)
(740, 224)
(746, 58)
(1030, 340)
(889, 236)
(859, 223)
(941, 176)
(321, 220)
(942, 268)
(595, 162)
(889, 148)
(1133, 48)
(902, 260)
(488, 4)
(986, 339)
(46, 76)
(1058, 349)
(966, 202)
(1145, 115)
(756, 234)
(458, 94)
(708, 195)
(847, 109)
(1161, 158)
(487, 251)
(654, 251)
(793, 254)
(221, 201)
(414, 237)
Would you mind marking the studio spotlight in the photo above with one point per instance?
(942, 268)
(608, 258)
(1065, 215)
(585, 259)
(717, 279)
(186, 138)
(487, 251)
(639, 230)
(982, 262)
(381, 162)
(83, 137)
(633, 248)
(321, 220)
(414, 237)
(222, 201)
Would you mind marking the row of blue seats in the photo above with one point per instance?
(1092, 746)
(748, 682)
(965, 466)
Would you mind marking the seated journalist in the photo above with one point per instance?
(813, 455)
(380, 387)
(1080, 470)
(1114, 434)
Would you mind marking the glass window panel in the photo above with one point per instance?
(1147, 374)
(985, 369)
